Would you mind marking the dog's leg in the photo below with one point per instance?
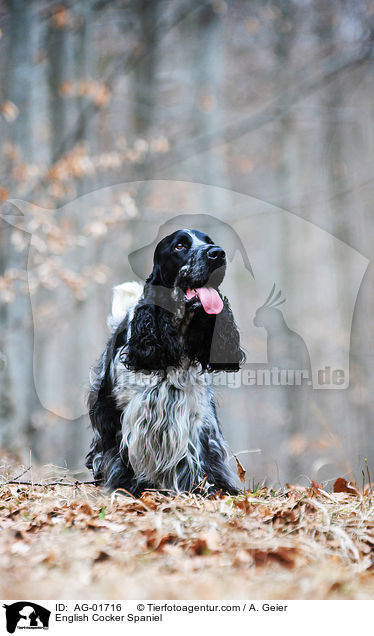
(116, 472)
(104, 458)
(106, 425)
(215, 460)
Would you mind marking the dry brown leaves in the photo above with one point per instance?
(342, 485)
(240, 470)
(294, 543)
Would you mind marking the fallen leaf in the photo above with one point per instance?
(102, 556)
(149, 500)
(156, 542)
(243, 504)
(86, 509)
(200, 547)
(314, 489)
(288, 516)
(342, 485)
(240, 469)
(284, 556)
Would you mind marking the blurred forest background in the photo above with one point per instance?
(271, 100)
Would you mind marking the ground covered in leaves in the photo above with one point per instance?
(60, 541)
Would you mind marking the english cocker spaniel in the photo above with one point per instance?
(151, 403)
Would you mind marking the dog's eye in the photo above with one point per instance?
(179, 247)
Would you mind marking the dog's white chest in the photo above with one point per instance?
(162, 418)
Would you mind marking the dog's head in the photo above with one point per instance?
(182, 315)
(188, 260)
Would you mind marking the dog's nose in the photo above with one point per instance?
(216, 253)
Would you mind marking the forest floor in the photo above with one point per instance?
(75, 542)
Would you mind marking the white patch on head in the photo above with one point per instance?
(195, 267)
(196, 242)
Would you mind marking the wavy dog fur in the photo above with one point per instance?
(151, 405)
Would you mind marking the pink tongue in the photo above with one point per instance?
(209, 298)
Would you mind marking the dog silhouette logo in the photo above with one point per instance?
(26, 615)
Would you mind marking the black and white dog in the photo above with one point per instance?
(151, 405)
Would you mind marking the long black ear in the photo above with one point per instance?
(225, 351)
(153, 344)
(213, 340)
